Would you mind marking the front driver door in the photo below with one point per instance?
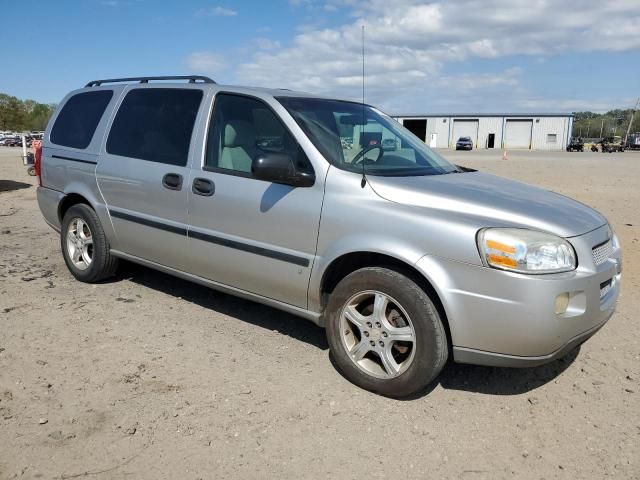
(246, 233)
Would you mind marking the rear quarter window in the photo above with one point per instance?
(77, 121)
(155, 124)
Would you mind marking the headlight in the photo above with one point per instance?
(525, 251)
(614, 238)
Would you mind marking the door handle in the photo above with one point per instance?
(172, 181)
(204, 187)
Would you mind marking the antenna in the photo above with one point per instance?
(363, 182)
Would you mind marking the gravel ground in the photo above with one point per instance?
(152, 377)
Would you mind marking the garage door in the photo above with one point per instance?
(518, 134)
(417, 127)
(465, 128)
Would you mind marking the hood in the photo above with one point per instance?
(492, 199)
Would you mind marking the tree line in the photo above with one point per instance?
(23, 115)
(598, 125)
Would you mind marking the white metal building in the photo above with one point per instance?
(531, 131)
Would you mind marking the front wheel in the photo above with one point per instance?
(385, 332)
(84, 245)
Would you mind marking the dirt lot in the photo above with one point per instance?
(147, 376)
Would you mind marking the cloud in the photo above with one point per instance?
(267, 44)
(216, 12)
(472, 82)
(114, 3)
(209, 63)
(410, 45)
(301, 3)
(464, 92)
(566, 105)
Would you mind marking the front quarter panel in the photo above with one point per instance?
(356, 219)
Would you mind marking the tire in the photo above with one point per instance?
(31, 171)
(96, 263)
(418, 362)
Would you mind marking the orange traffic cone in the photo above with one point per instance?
(504, 155)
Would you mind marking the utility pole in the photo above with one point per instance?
(24, 149)
(626, 137)
(601, 128)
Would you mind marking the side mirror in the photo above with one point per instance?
(279, 168)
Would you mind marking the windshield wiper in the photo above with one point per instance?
(462, 169)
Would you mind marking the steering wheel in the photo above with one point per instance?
(359, 158)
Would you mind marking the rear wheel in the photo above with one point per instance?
(385, 333)
(84, 245)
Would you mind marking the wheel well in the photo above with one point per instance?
(69, 201)
(346, 264)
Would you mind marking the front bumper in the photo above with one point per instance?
(493, 359)
(502, 318)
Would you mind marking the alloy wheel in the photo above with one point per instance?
(377, 334)
(80, 244)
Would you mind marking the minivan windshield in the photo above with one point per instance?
(350, 134)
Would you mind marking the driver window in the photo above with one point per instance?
(242, 129)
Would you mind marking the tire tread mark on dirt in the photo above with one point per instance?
(65, 476)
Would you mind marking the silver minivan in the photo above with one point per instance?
(296, 201)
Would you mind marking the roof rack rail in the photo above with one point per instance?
(191, 78)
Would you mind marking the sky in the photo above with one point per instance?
(447, 56)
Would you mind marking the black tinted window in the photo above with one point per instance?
(243, 128)
(155, 124)
(79, 118)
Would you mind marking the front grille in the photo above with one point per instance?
(602, 252)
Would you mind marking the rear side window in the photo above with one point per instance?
(155, 124)
(79, 118)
